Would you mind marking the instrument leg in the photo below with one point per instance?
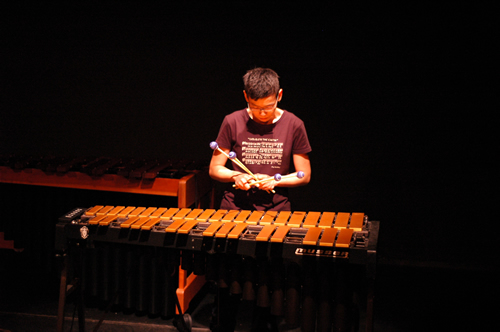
(235, 278)
(92, 275)
(62, 293)
(76, 260)
(262, 313)
(104, 267)
(292, 310)
(369, 304)
(325, 294)
(199, 263)
(277, 285)
(131, 279)
(79, 297)
(155, 286)
(170, 275)
(117, 277)
(235, 291)
(309, 297)
(248, 279)
(343, 315)
(211, 268)
(187, 261)
(143, 281)
(224, 319)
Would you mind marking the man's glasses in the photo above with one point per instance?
(265, 109)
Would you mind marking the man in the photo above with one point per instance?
(265, 139)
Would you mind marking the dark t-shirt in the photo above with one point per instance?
(265, 149)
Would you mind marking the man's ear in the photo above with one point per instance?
(280, 94)
(246, 97)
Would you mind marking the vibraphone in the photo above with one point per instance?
(201, 238)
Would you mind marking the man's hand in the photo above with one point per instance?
(243, 181)
(266, 185)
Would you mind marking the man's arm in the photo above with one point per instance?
(301, 163)
(219, 172)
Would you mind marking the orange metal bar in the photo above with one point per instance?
(126, 211)
(181, 214)
(328, 238)
(344, 238)
(268, 218)
(230, 215)
(242, 216)
(282, 218)
(158, 212)
(312, 236)
(225, 229)
(104, 210)
(193, 214)
(311, 219)
(357, 221)
(138, 224)
(280, 234)
(205, 215)
(342, 219)
(107, 220)
(116, 210)
(172, 228)
(137, 211)
(147, 226)
(147, 212)
(326, 220)
(210, 231)
(254, 218)
(218, 215)
(296, 219)
(128, 222)
(265, 233)
(93, 211)
(167, 215)
(237, 230)
(96, 220)
(187, 226)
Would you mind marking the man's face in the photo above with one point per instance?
(264, 109)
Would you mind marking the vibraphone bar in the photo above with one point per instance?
(298, 237)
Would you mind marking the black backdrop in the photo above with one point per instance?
(394, 100)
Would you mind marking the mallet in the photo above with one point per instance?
(279, 177)
(232, 155)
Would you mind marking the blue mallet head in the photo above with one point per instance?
(277, 177)
(214, 145)
(300, 174)
(232, 155)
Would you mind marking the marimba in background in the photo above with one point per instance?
(37, 190)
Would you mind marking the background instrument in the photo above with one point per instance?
(175, 178)
(80, 177)
(36, 190)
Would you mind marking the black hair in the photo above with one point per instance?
(261, 83)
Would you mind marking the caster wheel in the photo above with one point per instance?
(183, 323)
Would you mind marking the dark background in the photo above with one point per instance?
(394, 98)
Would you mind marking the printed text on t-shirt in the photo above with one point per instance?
(262, 151)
